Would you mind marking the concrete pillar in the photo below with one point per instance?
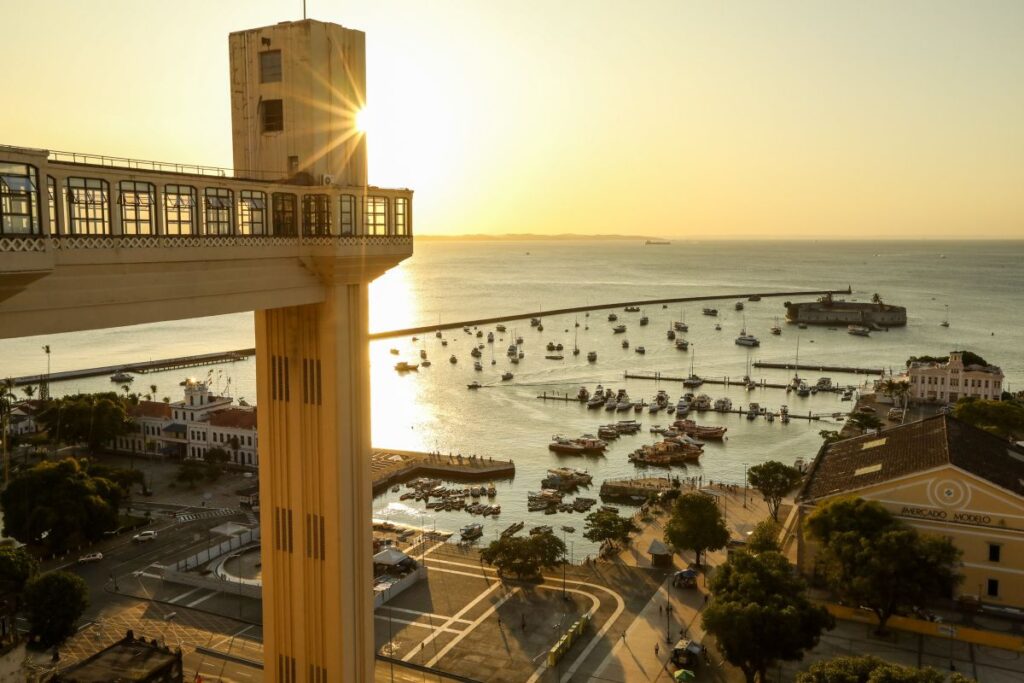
(315, 489)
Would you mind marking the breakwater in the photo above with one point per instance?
(594, 307)
(141, 367)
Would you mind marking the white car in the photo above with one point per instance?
(144, 536)
(91, 557)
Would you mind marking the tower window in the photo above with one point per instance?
(270, 66)
(273, 116)
(994, 552)
(993, 588)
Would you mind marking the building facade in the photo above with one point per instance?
(950, 381)
(940, 476)
(192, 426)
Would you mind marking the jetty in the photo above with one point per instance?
(723, 381)
(819, 368)
(141, 367)
(390, 466)
(595, 307)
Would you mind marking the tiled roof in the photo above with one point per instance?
(237, 418)
(933, 442)
(153, 409)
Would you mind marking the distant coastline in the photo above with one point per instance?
(531, 237)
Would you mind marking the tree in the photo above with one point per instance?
(120, 476)
(871, 558)
(829, 436)
(191, 470)
(522, 556)
(765, 537)
(864, 421)
(605, 525)
(94, 419)
(215, 458)
(773, 480)
(59, 504)
(29, 391)
(968, 358)
(876, 298)
(696, 524)
(53, 604)
(867, 669)
(760, 614)
(17, 566)
(1002, 418)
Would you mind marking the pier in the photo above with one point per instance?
(725, 381)
(819, 368)
(595, 307)
(390, 466)
(141, 367)
(635, 490)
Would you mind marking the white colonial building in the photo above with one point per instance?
(950, 381)
(192, 426)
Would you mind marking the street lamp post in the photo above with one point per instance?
(744, 485)
(668, 614)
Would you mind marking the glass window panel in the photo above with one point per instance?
(19, 199)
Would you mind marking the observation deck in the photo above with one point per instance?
(89, 241)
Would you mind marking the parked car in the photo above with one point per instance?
(144, 537)
(91, 557)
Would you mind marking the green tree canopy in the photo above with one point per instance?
(696, 524)
(867, 669)
(605, 525)
(864, 421)
(120, 476)
(524, 557)
(765, 537)
(829, 436)
(968, 357)
(215, 458)
(1002, 418)
(60, 504)
(191, 470)
(774, 480)
(17, 566)
(872, 559)
(93, 419)
(760, 613)
(53, 603)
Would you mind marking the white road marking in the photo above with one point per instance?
(595, 604)
(425, 614)
(418, 624)
(202, 599)
(447, 624)
(472, 627)
(184, 595)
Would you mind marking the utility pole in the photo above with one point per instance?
(744, 485)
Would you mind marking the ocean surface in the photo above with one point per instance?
(432, 409)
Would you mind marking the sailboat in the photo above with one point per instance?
(945, 321)
(693, 380)
(747, 339)
(776, 330)
(575, 343)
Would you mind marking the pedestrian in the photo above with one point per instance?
(657, 650)
(659, 609)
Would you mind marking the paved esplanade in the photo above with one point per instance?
(296, 235)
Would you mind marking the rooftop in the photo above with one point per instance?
(153, 409)
(237, 418)
(129, 660)
(852, 464)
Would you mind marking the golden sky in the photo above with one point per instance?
(657, 117)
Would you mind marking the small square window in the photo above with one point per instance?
(270, 66)
(993, 588)
(273, 116)
(994, 550)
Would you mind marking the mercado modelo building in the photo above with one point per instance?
(940, 476)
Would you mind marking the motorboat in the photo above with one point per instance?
(824, 384)
(711, 311)
(623, 404)
(580, 446)
(583, 395)
(479, 334)
(437, 334)
(802, 389)
(534, 322)
(476, 353)
(453, 360)
(403, 366)
(550, 346)
(506, 376)
(776, 330)
(693, 429)
(426, 363)
(718, 327)
(723, 405)
(478, 366)
(610, 405)
(618, 329)
(423, 354)
(747, 340)
(555, 356)
(394, 352)
(612, 317)
(499, 328)
(693, 381)
(680, 326)
(592, 356)
(702, 403)
(474, 385)
(595, 402)
(670, 335)
(738, 306)
(682, 344)
(859, 330)
(471, 531)
(644, 320)
(754, 297)
(490, 337)
(641, 350)
(625, 343)
(121, 377)
(632, 309)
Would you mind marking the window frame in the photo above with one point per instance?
(284, 218)
(94, 213)
(316, 214)
(992, 588)
(137, 203)
(252, 204)
(347, 216)
(375, 218)
(53, 202)
(263, 67)
(271, 123)
(189, 208)
(11, 197)
(218, 211)
(995, 549)
(402, 227)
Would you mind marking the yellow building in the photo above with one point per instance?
(940, 476)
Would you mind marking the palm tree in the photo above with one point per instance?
(152, 391)
(29, 391)
(7, 399)
(876, 298)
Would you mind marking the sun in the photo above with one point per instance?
(363, 120)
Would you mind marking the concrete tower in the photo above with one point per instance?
(295, 90)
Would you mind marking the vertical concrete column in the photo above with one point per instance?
(315, 489)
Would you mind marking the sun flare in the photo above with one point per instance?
(363, 120)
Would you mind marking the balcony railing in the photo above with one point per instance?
(160, 166)
(11, 244)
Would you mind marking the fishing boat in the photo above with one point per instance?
(718, 327)
(644, 320)
(478, 366)
(534, 322)
(859, 330)
(711, 311)
(592, 356)
(121, 377)
(945, 321)
(500, 328)
(506, 376)
(512, 529)
(682, 345)
(490, 337)
(691, 428)
(619, 329)
(474, 385)
(582, 445)
(641, 350)
(555, 356)
(754, 297)
(403, 366)
(476, 353)
(453, 360)
(394, 352)
(738, 306)
(625, 343)
(471, 531)
(612, 317)
(542, 529)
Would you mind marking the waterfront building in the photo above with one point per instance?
(190, 427)
(295, 233)
(940, 476)
(950, 381)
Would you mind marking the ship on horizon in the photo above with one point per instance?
(657, 242)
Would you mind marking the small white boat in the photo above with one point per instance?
(859, 330)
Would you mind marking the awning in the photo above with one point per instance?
(390, 556)
(176, 428)
(658, 548)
